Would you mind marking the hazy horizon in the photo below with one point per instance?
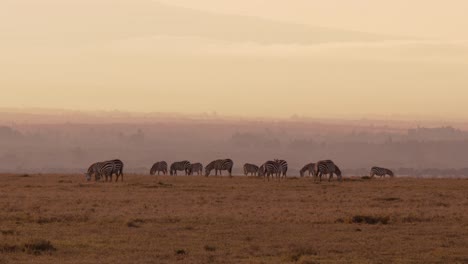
(245, 58)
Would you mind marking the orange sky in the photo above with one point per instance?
(247, 58)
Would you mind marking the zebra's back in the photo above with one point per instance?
(180, 166)
(196, 167)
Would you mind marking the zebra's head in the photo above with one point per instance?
(88, 176)
(338, 173)
(390, 173)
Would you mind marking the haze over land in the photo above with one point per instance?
(69, 141)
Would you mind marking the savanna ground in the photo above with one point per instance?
(166, 219)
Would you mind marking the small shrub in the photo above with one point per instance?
(366, 178)
(136, 223)
(371, 220)
(25, 175)
(180, 252)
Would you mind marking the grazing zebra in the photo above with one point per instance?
(283, 167)
(261, 170)
(158, 167)
(308, 167)
(381, 172)
(219, 165)
(106, 169)
(93, 169)
(250, 168)
(326, 167)
(180, 166)
(271, 168)
(196, 167)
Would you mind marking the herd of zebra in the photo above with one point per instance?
(272, 168)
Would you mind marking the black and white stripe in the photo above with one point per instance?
(160, 166)
(283, 165)
(307, 168)
(180, 166)
(93, 170)
(326, 167)
(271, 168)
(219, 165)
(106, 169)
(250, 168)
(196, 168)
(381, 172)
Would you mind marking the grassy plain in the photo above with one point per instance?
(167, 219)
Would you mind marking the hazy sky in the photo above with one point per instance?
(247, 57)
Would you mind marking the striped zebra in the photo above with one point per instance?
(93, 170)
(196, 168)
(250, 168)
(283, 167)
(219, 165)
(381, 172)
(106, 169)
(309, 168)
(261, 170)
(158, 167)
(271, 168)
(180, 166)
(326, 167)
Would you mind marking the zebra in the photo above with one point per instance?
(250, 168)
(261, 170)
(118, 169)
(219, 165)
(106, 169)
(271, 168)
(180, 166)
(381, 172)
(326, 167)
(196, 167)
(93, 169)
(308, 167)
(158, 167)
(283, 167)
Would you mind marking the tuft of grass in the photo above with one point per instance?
(415, 219)
(210, 248)
(388, 199)
(6, 248)
(297, 252)
(370, 220)
(162, 184)
(366, 178)
(8, 232)
(25, 175)
(38, 247)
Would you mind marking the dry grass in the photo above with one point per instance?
(62, 219)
